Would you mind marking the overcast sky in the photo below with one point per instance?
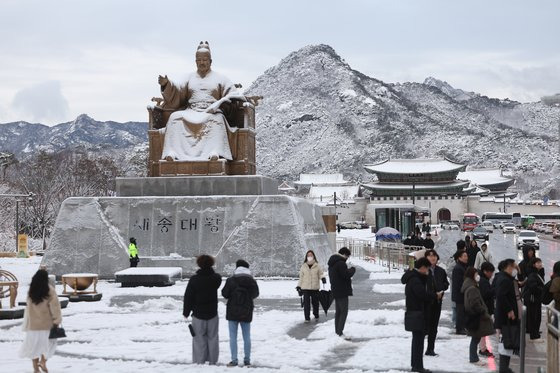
(59, 59)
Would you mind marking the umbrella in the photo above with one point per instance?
(388, 234)
(325, 298)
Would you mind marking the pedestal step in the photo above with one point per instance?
(148, 276)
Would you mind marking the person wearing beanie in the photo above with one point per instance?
(240, 290)
(340, 277)
(418, 298)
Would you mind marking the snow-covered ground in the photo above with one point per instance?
(142, 329)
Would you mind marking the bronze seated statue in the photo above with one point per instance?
(203, 126)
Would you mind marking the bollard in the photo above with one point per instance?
(522, 340)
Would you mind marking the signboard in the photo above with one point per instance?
(22, 246)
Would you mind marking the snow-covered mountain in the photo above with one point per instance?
(320, 115)
(23, 138)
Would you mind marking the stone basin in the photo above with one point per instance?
(79, 281)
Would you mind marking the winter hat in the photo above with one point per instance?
(241, 263)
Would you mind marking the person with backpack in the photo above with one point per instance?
(310, 276)
(201, 299)
(484, 255)
(240, 290)
(341, 285)
(533, 292)
(478, 321)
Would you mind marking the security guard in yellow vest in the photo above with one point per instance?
(133, 252)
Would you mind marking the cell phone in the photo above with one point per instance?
(191, 329)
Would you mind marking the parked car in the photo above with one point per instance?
(548, 228)
(508, 228)
(451, 225)
(480, 233)
(556, 231)
(488, 225)
(350, 225)
(527, 238)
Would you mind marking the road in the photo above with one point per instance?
(502, 246)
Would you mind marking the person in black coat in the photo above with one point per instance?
(240, 290)
(341, 286)
(201, 299)
(488, 294)
(437, 285)
(428, 242)
(418, 299)
(417, 240)
(456, 294)
(525, 264)
(506, 303)
(472, 250)
(532, 296)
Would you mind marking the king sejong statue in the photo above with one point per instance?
(199, 132)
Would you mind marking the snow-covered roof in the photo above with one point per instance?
(285, 186)
(415, 166)
(418, 187)
(317, 179)
(484, 177)
(342, 192)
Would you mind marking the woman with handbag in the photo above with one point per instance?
(310, 277)
(478, 320)
(42, 314)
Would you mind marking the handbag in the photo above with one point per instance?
(57, 332)
(414, 321)
(472, 321)
(511, 335)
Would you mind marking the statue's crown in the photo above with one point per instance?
(203, 47)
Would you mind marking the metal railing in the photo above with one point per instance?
(552, 345)
(393, 255)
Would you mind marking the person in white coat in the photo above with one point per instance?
(310, 277)
(484, 255)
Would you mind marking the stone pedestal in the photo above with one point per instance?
(231, 218)
(196, 186)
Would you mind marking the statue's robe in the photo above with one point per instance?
(193, 134)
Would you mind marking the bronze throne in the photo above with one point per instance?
(240, 115)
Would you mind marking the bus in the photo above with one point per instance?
(497, 218)
(516, 219)
(552, 217)
(527, 221)
(470, 221)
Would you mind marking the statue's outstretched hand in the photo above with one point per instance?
(162, 80)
